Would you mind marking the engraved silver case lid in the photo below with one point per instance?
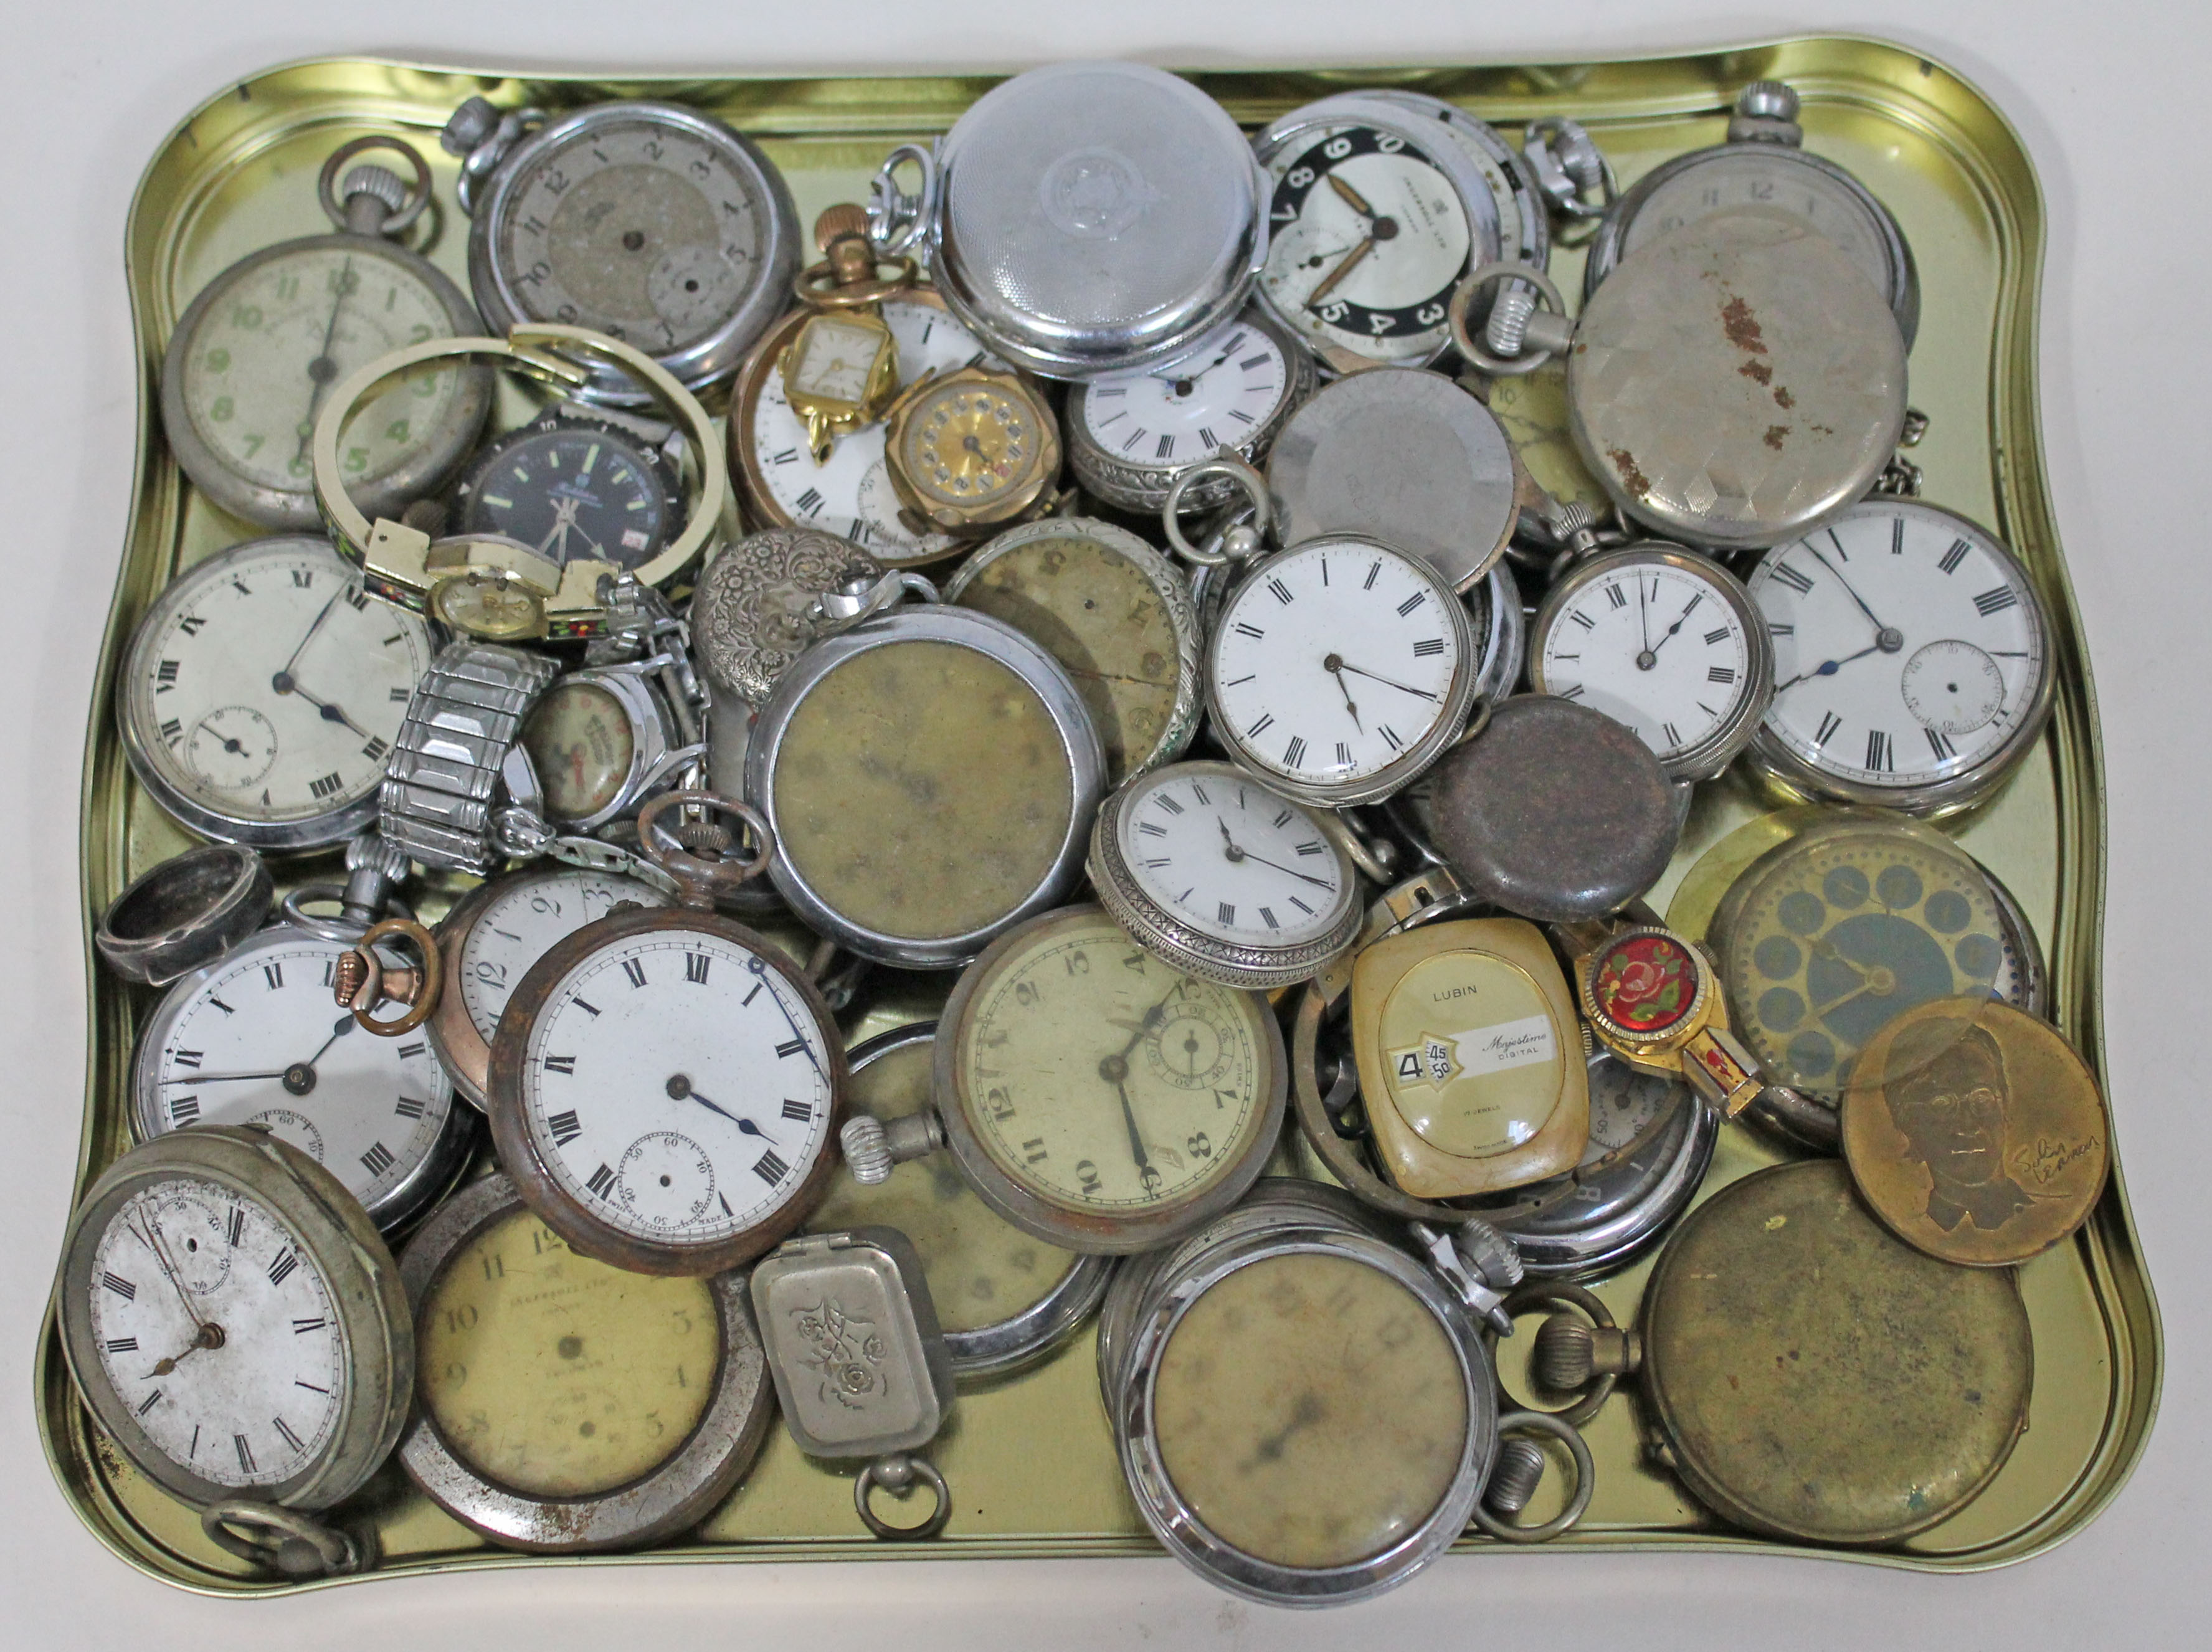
(1738, 382)
(1407, 457)
(1093, 217)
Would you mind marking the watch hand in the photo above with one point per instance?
(152, 1238)
(1643, 614)
(1145, 1171)
(1351, 196)
(1852, 594)
(1333, 665)
(322, 369)
(1305, 1413)
(310, 637)
(1830, 667)
(679, 1090)
(209, 1335)
(1822, 947)
(1671, 629)
(285, 683)
(564, 518)
(1318, 883)
(222, 1077)
(1329, 282)
(1389, 682)
(344, 1026)
(805, 1049)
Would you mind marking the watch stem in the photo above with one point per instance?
(1562, 1362)
(1767, 101)
(1519, 1470)
(469, 125)
(369, 196)
(867, 1153)
(841, 233)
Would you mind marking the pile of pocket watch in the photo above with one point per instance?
(1303, 1065)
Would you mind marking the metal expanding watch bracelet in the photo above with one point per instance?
(462, 727)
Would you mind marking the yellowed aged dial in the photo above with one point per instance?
(555, 1375)
(580, 743)
(1097, 1079)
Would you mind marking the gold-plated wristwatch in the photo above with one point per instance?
(1654, 999)
(971, 451)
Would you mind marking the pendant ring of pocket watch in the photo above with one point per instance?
(362, 982)
(490, 585)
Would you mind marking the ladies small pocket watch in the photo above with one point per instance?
(254, 355)
(665, 1085)
(1764, 163)
(1664, 641)
(263, 691)
(234, 1321)
(1911, 659)
(656, 225)
(969, 451)
(1222, 877)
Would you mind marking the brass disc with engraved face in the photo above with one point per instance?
(1813, 1377)
(1976, 1132)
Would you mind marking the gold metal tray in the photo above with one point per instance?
(1031, 1460)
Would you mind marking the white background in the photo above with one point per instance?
(2109, 98)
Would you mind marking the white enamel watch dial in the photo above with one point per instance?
(1339, 669)
(1367, 237)
(849, 493)
(519, 925)
(1911, 663)
(263, 691)
(1223, 878)
(1665, 641)
(256, 1038)
(663, 1087)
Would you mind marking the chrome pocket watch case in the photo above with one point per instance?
(563, 1405)
(1084, 218)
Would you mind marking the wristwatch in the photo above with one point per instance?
(460, 750)
(1654, 999)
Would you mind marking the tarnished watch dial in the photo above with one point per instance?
(834, 359)
(583, 744)
(1100, 1080)
(1840, 933)
(1767, 175)
(970, 445)
(574, 495)
(257, 1401)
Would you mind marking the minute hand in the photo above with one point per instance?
(1318, 883)
(1846, 584)
(1388, 682)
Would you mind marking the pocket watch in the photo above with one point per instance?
(665, 1086)
(1912, 660)
(490, 939)
(1736, 384)
(654, 224)
(1005, 1298)
(579, 483)
(1084, 218)
(254, 356)
(1221, 878)
(255, 1039)
(969, 451)
(931, 776)
(1130, 433)
(1407, 457)
(847, 492)
(1092, 1095)
(233, 1323)
(1830, 937)
(491, 585)
(1114, 613)
(1764, 163)
(1469, 1057)
(263, 691)
(1663, 640)
(563, 1405)
(1375, 212)
(1338, 670)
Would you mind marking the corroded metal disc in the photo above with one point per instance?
(1976, 1132)
(1555, 811)
(1815, 1378)
(1737, 383)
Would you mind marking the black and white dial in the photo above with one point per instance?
(1231, 858)
(1909, 656)
(1367, 237)
(1664, 641)
(1338, 669)
(521, 923)
(215, 1327)
(264, 691)
(257, 1038)
(677, 1086)
(849, 493)
(575, 493)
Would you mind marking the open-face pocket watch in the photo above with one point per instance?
(487, 583)
(263, 691)
(1912, 660)
(1114, 613)
(254, 355)
(1222, 877)
(1375, 212)
(564, 1405)
(1084, 218)
(1734, 383)
(931, 776)
(1092, 1095)
(1764, 163)
(1665, 640)
(665, 1086)
(234, 1321)
(255, 1039)
(651, 223)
